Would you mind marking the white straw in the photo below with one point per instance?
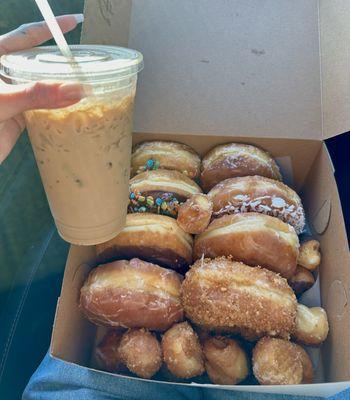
(55, 29)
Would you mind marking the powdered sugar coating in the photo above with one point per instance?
(277, 362)
(236, 160)
(141, 352)
(182, 351)
(258, 194)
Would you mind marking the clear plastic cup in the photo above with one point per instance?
(83, 151)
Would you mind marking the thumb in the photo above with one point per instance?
(14, 99)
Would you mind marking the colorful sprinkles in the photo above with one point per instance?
(165, 204)
(149, 166)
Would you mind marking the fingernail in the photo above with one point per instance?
(79, 18)
(87, 90)
(71, 91)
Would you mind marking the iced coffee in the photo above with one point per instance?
(83, 154)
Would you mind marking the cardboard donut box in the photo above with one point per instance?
(273, 74)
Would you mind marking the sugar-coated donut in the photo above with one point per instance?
(308, 370)
(160, 192)
(132, 294)
(157, 154)
(258, 194)
(107, 352)
(151, 237)
(253, 238)
(221, 293)
(194, 215)
(301, 281)
(277, 362)
(311, 326)
(182, 351)
(236, 159)
(226, 362)
(141, 352)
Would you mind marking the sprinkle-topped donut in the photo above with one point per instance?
(154, 155)
(160, 192)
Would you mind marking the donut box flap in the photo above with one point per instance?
(236, 68)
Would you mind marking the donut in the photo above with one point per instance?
(301, 281)
(253, 238)
(311, 326)
(226, 362)
(160, 192)
(154, 238)
(235, 159)
(140, 351)
(132, 294)
(222, 293)
(308, 370)
(194, 215)
(309, 255)
(277, 362)
(182, 351)
(258, 194)
(157, 154)
(107, 352)
(250, 335)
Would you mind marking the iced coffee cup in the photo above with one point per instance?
(83, 151)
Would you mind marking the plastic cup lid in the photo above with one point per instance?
(92, 63)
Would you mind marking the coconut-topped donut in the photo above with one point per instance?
(158, 154)
(258, 194)
(236, 159)
(160, 192)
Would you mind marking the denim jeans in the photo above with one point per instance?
(58, 380)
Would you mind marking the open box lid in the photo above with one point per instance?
(238, 68)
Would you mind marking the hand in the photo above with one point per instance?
(14, 99)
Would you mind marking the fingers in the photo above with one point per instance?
(9, 133)
(14, 99)
(30, 35)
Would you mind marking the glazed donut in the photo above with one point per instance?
(132, 294)
(258, 194)
(277, 362)
(158, 154)
(226, 362)
(107, 352)
(160, 192)
(194, 215)
(236, 159)
(151, 237)
(221, 293)
(182, 351)
(141, 352)
(301, 281)
(308, 370)
(311, 326)
(255, 239)
(309, 255)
